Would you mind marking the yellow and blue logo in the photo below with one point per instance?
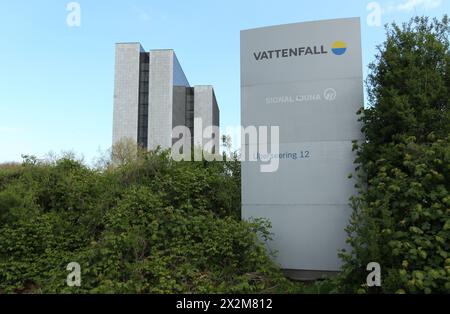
(339, 48)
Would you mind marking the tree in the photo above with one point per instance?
(126, 151)
(401, 213)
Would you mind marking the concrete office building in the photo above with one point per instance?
(152, 96)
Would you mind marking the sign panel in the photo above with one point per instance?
(305, 78)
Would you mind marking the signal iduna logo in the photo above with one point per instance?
(339, 48)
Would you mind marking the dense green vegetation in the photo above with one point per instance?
(150, 225)
(401, 215)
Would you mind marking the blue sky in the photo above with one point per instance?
(56, 81)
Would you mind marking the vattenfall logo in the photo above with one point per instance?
(338, 48)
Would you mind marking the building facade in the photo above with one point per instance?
(152, 96)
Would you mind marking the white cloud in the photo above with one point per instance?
(11, 130)
(144, 16)
(410, 5)
(141, 14)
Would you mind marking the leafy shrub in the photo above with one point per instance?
(150, 225)
(401, 215)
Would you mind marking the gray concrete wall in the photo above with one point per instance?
(160, 109)
(126, 91)
(205, 107)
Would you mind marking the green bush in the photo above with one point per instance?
(150, 225)
(401, 215)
